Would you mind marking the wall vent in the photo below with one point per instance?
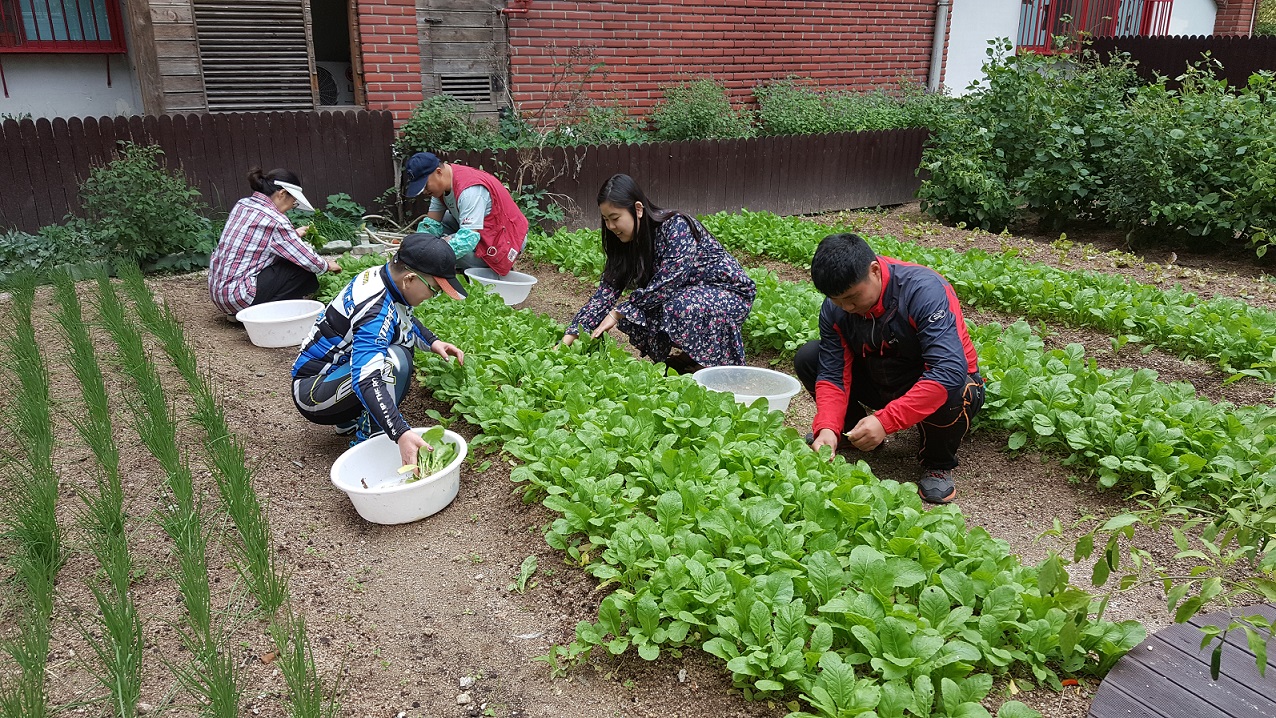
(474, 89)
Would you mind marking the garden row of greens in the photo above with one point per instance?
(1121, 424)
(1237, 337)
(210, 675)
(251, 544)
(30, 521)
(697, 109)
(1061, 138)
(713, 525)
(1206, 469)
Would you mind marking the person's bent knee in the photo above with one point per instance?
(806, 364)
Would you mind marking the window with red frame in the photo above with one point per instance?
(1048, 26)
(61, 26)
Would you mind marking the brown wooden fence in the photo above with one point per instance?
(798, 174)
(1170, 56)
(43, 162)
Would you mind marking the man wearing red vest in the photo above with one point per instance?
(471, 209)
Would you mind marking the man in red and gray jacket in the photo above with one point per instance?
(471, 209)
(892, 339)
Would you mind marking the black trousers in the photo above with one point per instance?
(284, 280)
(940, 433)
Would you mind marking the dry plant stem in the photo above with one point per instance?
(227, 461)
(120, 648)
(30, 521)
(210, 674)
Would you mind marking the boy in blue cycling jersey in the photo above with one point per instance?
(354, 368)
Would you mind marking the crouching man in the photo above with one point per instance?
(354, 368)
(892, 339)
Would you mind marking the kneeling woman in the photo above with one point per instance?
(688, 293)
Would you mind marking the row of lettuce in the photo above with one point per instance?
(712, 525)
(206, 670)
(1237, 337)
(1123, 425)
(672, 496)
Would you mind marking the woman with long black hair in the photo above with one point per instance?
(688, 296)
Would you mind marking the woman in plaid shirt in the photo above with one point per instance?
(260, 256)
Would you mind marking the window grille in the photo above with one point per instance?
(61, 26)
(1043, 22)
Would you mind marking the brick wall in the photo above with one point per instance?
(391, 56)
(1235, 17)
(852, 44)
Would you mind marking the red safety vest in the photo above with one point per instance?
(504, 228)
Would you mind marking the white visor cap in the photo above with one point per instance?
(296, 193)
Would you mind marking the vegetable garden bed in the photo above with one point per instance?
(401, 614)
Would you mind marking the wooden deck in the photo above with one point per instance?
(1168, 676)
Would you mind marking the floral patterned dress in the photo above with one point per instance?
(697, 299)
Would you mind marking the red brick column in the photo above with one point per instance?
(846, 44)
(391, 56)
(1235, 17)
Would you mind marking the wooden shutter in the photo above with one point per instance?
(254, 54)
(467, 51)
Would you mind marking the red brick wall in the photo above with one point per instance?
(391, 56)
(1235, 17)
(852, 44)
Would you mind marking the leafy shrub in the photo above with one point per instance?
(700, 109)
(1199, 161)
(1265, 18)
(599, 125)
(443, 123)
(1028, 143)
(138, 210)
(790, 108)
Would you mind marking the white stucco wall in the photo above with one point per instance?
(972, 24)
(69, 86)
(1193, 17)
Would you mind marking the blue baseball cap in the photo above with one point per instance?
(417, 170)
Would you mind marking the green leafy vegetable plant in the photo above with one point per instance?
(432, 458)
(712, 525)
(256, 560)
(29, 519)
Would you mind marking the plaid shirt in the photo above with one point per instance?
(256, 234)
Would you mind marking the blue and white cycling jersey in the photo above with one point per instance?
(353, 337)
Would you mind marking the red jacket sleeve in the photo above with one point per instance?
(833, 382)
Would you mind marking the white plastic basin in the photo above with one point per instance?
(748, 383)
(513, 287)
(280, 324)
(369, 474)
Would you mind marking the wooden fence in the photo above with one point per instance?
(43, 162)
(798, 174)
(1170, 56)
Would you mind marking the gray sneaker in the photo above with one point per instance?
(936, 486)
